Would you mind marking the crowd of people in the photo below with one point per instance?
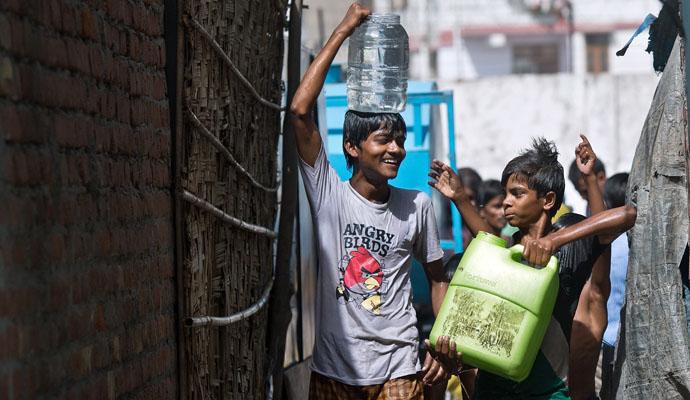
(592, 286)
(367, 232)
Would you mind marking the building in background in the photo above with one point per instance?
(468, 39)
(525, 68)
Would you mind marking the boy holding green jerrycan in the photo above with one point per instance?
(498, 309)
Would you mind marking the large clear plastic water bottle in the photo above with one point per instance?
(378, 61)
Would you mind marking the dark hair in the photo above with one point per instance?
(574, 172)
(567, 219)
(539, 166)
(359, 125)
(470, 178)
(614, 190)
(489, 189)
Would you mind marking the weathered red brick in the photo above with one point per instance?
(5, 32)
(48, 15)
(78, 53)
(84, 120)
(90, 24)
(10, 79)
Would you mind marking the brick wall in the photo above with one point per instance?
(86, 235)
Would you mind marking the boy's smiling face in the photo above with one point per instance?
(380, 155)
(522, 206)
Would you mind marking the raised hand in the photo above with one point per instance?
(355, 15)
(446, 181)
(585, 157)
(306, 132)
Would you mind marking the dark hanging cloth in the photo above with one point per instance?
(663, 33)
(653, 353)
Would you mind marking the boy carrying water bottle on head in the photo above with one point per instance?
(366, 232)
(534, 185)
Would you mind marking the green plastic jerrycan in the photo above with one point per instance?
(497, 309)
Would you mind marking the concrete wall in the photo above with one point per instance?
(86, 245)
(496, 117)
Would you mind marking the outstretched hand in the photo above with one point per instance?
(585, 157)
(446, 181)
(355, 15)
(445, 355)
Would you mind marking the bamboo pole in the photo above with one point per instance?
(279, 308)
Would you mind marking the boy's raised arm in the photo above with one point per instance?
(585, 159)
(607, 224)
(448, 183)
(306, 132)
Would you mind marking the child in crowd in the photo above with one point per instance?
(534, 185)
(614, 193)
(490, 201)
(485, 213)
(366, 234)
(589, 320)
(583, 183)
(471, 181)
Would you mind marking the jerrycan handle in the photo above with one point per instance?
(516, 255)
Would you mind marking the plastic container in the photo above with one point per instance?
(497, 309)
(377, 67)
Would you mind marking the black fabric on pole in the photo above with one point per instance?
(663, 33)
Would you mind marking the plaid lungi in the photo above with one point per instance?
(403, 388)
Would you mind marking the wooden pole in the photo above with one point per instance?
(175, 71)
(279, 306)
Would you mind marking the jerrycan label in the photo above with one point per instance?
(479, 279)
(483, 320)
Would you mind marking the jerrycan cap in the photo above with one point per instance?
(489, 238)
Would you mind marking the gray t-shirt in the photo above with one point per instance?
(365, 325)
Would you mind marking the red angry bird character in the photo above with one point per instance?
(364, 270)
(362, 281)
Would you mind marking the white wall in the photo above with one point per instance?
(496, 117)
(598, 11)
